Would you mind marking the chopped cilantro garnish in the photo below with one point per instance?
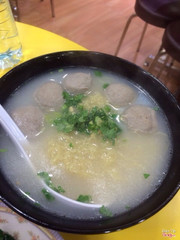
(98, 73)
(47, 179)
(127, 207)
(156, 108)
(3, 150)
(71, 145)
(5, 236)
(59, 189)
(146, 175)
(37, 204)
(27, 193)
(105, 211)
(105, 85)
(107, 108)
(84, 198)
(45, 176)
(72, 100)
(48, 195)
(96, 120)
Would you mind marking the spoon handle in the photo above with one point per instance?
(10, 126)
(13, 131)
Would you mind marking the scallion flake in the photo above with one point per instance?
(146, 175)
(84, 198)
(105, 211)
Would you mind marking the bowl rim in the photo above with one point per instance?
(134, 70)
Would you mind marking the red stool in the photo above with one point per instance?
(155, 12)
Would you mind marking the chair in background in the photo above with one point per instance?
(171, 48)
(155, 12)
(52, 7)
(15, 9)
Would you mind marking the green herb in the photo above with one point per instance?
(105, 211)
(105, 85)
(37, 204)
(47, 179)
(48, 195)
(84, 198)
(71, 145)
(98, 73)
(60, 70)
(27, 193)
(5, 236)
(124, 140)
(45, 176)
(72, 100)
(107, 108)
(3, 150)
(127, 207)
(146, 175)
(156, 108)
(96, 120)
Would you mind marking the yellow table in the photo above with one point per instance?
(163, 225)
(36, 41)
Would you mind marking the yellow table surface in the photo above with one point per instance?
(163, 225)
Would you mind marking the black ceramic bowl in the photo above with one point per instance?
(134, 74)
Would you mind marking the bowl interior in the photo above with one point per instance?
(14, 78)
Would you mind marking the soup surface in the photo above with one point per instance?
(116, 163)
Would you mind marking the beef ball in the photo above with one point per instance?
(49, 95)
(29, 119)
(140, 118)
(120, 95)
(76, 83)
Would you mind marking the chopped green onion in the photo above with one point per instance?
(156, 108)
(59, 189)
(105, 211)
(146, 175)
(45, 176)
(98, 73)
(127, 207)
(3, 150)
(105, 85)
(48, 195)
(27, 193)
(37, 204)
(84, 198)
(5, 236)
(60, 70)
(96, 120)
(71, 145)
(47, 179)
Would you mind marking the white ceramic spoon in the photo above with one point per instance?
(20, 140)
(13, 131)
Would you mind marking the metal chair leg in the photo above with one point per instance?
(159, 53)
(142, 36)
(164, 65)
(124, 33)
(52, 7)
